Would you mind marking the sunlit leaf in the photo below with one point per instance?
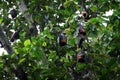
(27, 42)
(21, 61)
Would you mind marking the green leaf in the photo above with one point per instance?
(47, 8)
(68, 3)
(27, 43)
(81, 66)
(21, 61)
(71, 41)
(71, 52)
(1, 20)
(44, 44)
(93, 8)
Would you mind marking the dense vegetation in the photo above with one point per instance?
(39, 56)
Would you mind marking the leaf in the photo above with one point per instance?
(71, 52)
(1, 21)
(71, 41)
(16, 51)
(27, 43)
(93, 8)
(13, 56)
(47, 8)
(44, 44)
(21, 61)
(68, 3)
(81, 66)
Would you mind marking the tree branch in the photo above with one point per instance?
(7, 46)
(5, 42)
(32, 26)
(28, 17)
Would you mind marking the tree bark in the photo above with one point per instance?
(5, 42)
(7, 46)
(32, 26)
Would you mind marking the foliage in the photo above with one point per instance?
(52, 17)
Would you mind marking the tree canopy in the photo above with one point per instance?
(29, 31)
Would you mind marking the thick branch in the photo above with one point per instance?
(33, 30)
(7, 46)
(28, 17)
(4, 40)
(23, 9)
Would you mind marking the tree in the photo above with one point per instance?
(38, 24)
